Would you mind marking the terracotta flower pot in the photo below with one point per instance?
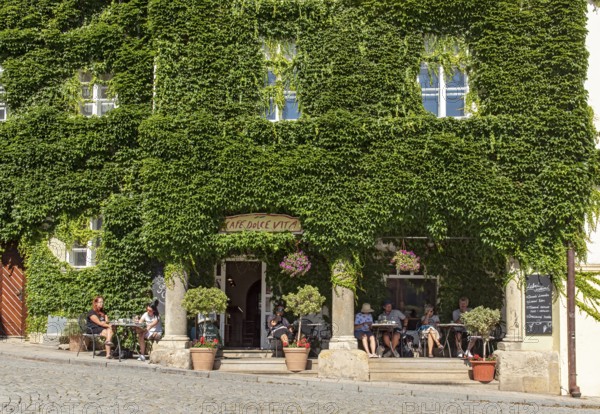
(75, 342)
(203, 359)
(483, 371)
(295, 358)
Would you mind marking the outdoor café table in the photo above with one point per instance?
(127, 326)
(379, 328)
(447, 329)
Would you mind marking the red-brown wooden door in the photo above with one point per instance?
(12, 294)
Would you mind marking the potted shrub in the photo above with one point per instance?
(73, 332)
(204, 300)
(307, 300)
(482, 321)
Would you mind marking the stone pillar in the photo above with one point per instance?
(343, 360)
(513, 306)
(342, 318)
(519, 369)
(172, 349)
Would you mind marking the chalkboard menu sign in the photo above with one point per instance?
(538, 305)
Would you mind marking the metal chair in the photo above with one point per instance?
(275, 344)
(86, 333)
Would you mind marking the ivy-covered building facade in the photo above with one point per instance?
(131, 130)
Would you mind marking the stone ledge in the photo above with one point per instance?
(528, 371)
(343, 363)
(171, 357)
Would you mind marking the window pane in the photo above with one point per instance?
(85, 77)
(427, 81)
(105, 107)
(87, 109)
(271, 114)
(291, 110)
(430, 102)
(2, 114)
(102, 92)
(409, 295)
(455, 105)
(457, 81)
(271, 78)
(79, 258)
(86, 92)
(97, 223)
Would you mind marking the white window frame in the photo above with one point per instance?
(89, 248)
(442, 92)
(93, 102)
(287, 93)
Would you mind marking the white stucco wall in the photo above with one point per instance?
(592, 85)
(587, 329)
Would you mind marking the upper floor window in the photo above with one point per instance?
(84, 254)
(443, 94)
(94, 95)
(3, 112)
(283, 102)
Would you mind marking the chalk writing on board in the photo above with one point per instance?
(538, 305)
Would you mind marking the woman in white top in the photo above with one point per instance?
(153, 329)
(429, 323)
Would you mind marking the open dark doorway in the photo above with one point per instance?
(243, 283)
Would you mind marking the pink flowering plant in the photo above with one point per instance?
(295, 264)
(407, 261)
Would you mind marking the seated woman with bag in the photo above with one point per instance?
(428, 329)
(97, 323)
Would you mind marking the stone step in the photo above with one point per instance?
(441, 377)
(418, 364)
(246, 353)
(259, 365)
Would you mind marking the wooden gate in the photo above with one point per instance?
(12, 294)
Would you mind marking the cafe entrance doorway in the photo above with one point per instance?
(243, 281)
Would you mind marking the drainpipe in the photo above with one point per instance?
(573, 388)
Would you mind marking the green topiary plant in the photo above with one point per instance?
(204, 300)
(481, 321)
(306, 300)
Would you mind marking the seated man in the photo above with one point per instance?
(279, 327)
(401, 320)
(463, 306)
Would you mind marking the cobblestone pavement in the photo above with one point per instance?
(52, 387)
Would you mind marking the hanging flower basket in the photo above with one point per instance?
(407, 261)
(295, 264)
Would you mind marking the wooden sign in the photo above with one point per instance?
(538, 305)
(271, 223)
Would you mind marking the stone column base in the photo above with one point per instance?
(171, 357)
(173, 342)
(343, 342)
(528, 371)
(344, 364)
